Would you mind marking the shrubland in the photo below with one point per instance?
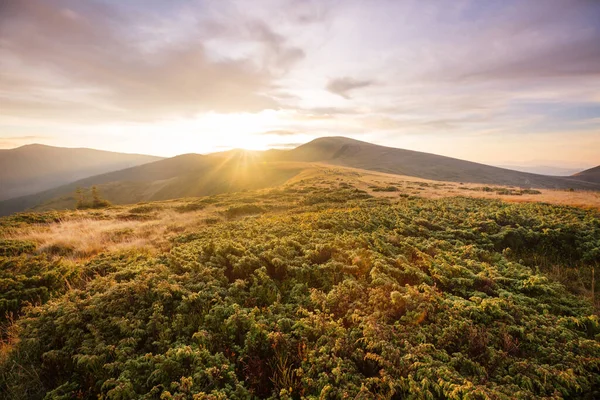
(311, 290)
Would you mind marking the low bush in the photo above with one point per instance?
(343, 295)
(386, 189)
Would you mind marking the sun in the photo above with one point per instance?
(206, 133)
(239, 130)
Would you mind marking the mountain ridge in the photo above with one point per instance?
(343, 151)
(190, 175)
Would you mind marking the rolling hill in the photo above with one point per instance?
(357, 154)
(182, 176)
(589, 175)
(200, 175)
(35, 168)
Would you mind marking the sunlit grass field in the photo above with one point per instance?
(335, 285)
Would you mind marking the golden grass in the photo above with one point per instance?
(79, 238)
(438, 189)
(365, 180)
(10, 338)
(82, 235)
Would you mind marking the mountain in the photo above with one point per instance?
(34, 168)
(201, 175)
(357, 154)
(589, 175)
(186, 175)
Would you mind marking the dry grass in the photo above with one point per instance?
(367, 180)
(79, 238)
(81, 235)
(9, 333)
(436, 189)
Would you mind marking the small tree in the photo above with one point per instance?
(97, 201)
(79, 197)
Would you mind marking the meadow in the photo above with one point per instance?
(333, 286)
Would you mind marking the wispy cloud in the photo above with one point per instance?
(16, 141)
(284, 146)
(343, 86)
(111, 72)
(72, 59)
(280, 132)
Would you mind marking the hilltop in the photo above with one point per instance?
(364, 155)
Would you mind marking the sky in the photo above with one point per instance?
(495, 81)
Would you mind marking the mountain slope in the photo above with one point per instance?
(363, 155)
(34, 168)
(589, 175)
(200, 175)
(182, 176)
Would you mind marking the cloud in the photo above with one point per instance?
(99, 69)
(342, 86)
(577, 58)
(518, 41)
(280, 132)
(16, 141)
(30, 137)
(275, 54)
(284, 146)
(333, 111)
(91, 61)
(279, 53)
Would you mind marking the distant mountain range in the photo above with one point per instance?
(199, 175)
(34, 168)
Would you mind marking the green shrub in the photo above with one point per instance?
(189, 207)
(342, 295)
(145, 208)
(530, 191)
(241, 210)
(15, 247)
(386, 189)
(30, 218)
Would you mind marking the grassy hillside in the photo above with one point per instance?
(35, 168)
(199, 175)
(363, 155)
(181, 176)
(316, 289)
(589, 175)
